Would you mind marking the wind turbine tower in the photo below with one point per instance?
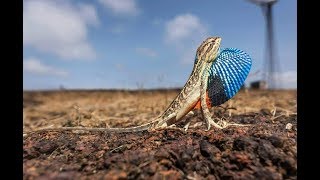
(270, 64)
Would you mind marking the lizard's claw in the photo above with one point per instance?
(208, 125)
(221, 124)
(186, 127)
(188, 120)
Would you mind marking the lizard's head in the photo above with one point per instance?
(209, 48)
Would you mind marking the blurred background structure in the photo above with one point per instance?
(271, 65)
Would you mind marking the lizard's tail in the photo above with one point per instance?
(143, 127)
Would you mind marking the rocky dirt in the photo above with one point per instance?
(265, 150)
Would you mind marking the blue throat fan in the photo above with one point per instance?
(227, 74)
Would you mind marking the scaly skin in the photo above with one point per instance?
(185, 101)
(189, 96)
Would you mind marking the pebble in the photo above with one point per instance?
(289, 126)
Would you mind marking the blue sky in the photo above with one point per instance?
(142, 43)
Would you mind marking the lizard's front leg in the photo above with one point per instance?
(204, 108)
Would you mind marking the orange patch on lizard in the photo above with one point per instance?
(198, 105)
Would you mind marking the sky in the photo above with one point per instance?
(130, 44)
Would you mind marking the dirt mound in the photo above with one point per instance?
(265, 150)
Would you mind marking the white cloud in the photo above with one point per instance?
(34, 66)
(146, 51)
(121, 7)
(89, 14)
(184, 27)
(185, 32)
(59, 28)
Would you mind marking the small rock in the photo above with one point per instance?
(185, 157)
(162, 154)
(46, 147)
(289, 164)
(165, 162)
(151, 168)
(276, 141)
(207, 149)
(244, 143)
(289, 126)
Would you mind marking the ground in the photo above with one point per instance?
(265, 150)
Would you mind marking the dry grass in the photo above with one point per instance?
(127, 108)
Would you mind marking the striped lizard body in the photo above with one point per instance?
(216, 77)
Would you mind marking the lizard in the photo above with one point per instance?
(210, 83)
